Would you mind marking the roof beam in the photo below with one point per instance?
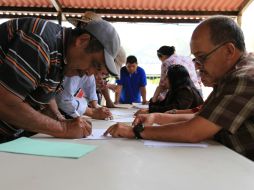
(120, 12)
(162, 16)
(149, 12)
(242, 8)
(58, 8)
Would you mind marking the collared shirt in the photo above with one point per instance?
(231, 106)
(31, 63)
(69, 101)
(184, 61)
(131, 84)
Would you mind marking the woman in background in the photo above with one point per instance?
(182, 93)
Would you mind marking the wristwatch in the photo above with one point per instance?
(137, 129)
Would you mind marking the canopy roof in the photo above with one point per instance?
(169, 11)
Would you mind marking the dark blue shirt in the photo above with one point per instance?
(131, 84)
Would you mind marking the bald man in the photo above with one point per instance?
(227, 115)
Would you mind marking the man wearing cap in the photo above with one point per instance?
(35, 54)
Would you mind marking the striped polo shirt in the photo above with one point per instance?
(31, 63)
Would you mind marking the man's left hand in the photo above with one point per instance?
(120, 130)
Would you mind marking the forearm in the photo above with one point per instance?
(186, 111)
(105, 93)
(18, 113)
(169, 132)
(22, 116)
(118, 93)
(52, 110)
(93, 103)
(163, 118)
(195, 130)
(156, 94)
(143, 93)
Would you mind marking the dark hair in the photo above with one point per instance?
(166, 50)
(178, 76)
(224, 29)
(131, 59)
(94, 44)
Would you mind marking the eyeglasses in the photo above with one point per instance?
(201, 59)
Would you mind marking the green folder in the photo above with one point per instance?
(25, 145)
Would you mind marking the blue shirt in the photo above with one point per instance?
(131, 84)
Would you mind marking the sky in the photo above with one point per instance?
(143, 40)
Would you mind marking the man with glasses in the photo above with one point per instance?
(35, 54)
(227, 116)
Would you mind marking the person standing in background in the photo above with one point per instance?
(132, 83)
(167, 56)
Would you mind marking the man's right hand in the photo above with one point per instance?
(142, 111)
(76, 128)
(101, 113)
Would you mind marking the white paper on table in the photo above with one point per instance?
(125, 113)
(123, 120)
(97, 134)
(140, 106)
(173, 144)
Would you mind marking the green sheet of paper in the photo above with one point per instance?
(25, 145)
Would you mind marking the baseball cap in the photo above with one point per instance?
(106, 34)
(120, 59)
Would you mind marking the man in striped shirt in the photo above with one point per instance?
(35, 54)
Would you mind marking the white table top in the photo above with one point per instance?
(121, 164)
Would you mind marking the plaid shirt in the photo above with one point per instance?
(231, 106)
(31, 64)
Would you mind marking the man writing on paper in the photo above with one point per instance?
(35, 54)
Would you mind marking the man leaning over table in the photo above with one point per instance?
(227, 116)
(35, 54)
(132, 83)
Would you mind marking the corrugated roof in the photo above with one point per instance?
(176, 5)
(126, 10)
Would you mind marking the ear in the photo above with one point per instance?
(230, 50)
(82, 41)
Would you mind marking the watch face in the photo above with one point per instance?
(139, 128)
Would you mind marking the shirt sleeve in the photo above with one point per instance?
(89, 87)
(143, 78)
(66, 100)
(230, 105)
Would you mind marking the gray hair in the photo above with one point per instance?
(225, 29)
